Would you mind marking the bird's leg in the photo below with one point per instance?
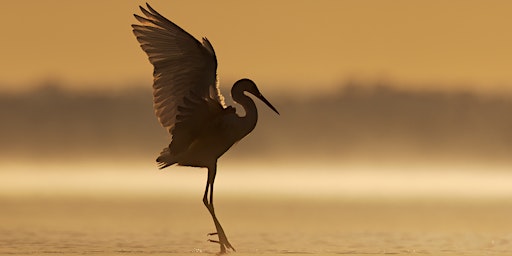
(220, 231)
(223, 240)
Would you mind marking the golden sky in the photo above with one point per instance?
(285, 44)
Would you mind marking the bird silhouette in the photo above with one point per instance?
(188, 102)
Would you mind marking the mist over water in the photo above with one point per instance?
(369, 170)
(255, 180)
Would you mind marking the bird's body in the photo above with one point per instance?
(188, 102)
(213, 138)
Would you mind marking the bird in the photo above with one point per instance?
(188, 103)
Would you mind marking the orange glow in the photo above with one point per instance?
(284, 44)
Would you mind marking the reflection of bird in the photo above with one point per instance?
(188, 102)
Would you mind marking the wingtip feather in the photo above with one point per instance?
(141, 19)
(142, 8)
(151, 9)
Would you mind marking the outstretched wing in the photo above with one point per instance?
(182, 65)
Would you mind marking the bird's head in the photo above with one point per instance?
(247, 85)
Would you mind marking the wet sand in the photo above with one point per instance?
(177, 225)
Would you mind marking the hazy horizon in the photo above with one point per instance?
(359, 123)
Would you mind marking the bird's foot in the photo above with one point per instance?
(223, 241)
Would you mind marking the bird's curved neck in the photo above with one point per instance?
(248, 121)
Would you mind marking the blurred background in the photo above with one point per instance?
(379, 100)
(360, 83)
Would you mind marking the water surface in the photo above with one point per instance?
(60, 213)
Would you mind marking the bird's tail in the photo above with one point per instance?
(165, 159)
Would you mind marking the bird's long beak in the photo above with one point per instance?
(268, 103)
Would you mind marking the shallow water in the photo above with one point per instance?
(108, 212)
(154, 226)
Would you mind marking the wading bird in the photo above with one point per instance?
(188, 102)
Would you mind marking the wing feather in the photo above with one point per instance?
(182, 65)
(196, 115)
